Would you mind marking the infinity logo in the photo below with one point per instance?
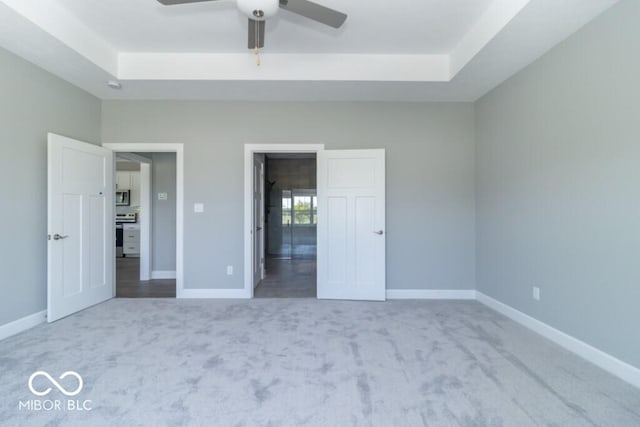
(55, 383)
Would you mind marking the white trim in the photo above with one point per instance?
(22, 324)
(132, 157)
(189, 66)
(145, 221)
(214, 293)
(179, 150)
(249, 151)
(163, 274)
(615, 366)
(465, 294)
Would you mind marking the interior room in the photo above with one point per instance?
(364, 214)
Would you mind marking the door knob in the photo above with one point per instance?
(379, 232)
(59, 237)
(258, 228)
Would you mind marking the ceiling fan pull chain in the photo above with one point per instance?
(256, 50)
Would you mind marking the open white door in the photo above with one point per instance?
(80, 226)
(351, 224)
(258, 218)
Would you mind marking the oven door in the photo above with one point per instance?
(119, 240)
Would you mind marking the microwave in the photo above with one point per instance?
(122, 198)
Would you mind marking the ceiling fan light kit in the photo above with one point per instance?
(259, 10)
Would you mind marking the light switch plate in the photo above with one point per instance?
(198, 207)
(163, 196)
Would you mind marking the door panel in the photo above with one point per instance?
(365, 241)
(336, 240)
(351, 223)
(71, 248)
(80, 226)
(96, 246)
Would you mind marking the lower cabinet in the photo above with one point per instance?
(131, 239)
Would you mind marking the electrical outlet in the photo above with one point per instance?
(229, 270)
(536, 293)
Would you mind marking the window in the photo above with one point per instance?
(314, 210)
(302, 210)
(286, 207)
(299, 207)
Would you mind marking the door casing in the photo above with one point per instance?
(179, 150)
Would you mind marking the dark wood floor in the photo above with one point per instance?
(128, 284)
(288, 278)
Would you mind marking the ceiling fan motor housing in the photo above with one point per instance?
(267, 7)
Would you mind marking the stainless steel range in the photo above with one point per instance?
(123, 218)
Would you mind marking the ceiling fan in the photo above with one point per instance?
(259, 10)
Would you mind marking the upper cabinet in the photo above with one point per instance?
(123, 180)
(126, 180)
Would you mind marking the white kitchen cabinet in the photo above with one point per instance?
(131, 239)
(126, 180)
(123, 180)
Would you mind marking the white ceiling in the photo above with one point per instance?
(372, 26)
(428, 50)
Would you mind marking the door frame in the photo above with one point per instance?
(164, 148)
(249, 151)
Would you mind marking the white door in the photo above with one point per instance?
(351, 224)
(80, 226)
(258, 218)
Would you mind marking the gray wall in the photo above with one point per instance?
(558, 186)
(163, 180)
(32, 103)
(430, 176)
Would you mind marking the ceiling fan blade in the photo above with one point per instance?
(174, 2)
(256, 30)
(314, 11)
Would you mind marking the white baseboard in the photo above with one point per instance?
(163, 274)
(213, 293)
(431, 294)
(617, 367)
(22, 324)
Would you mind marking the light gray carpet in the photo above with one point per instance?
(294, 362)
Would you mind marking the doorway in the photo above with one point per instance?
(145, 225)
(171, 277)
(256, 262)
(351, 220)
(289, 220)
